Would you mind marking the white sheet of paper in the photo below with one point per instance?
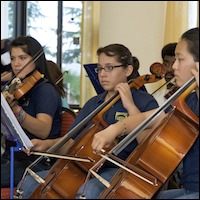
(10, 125)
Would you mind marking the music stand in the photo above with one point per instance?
(90, 69)
(12, 130)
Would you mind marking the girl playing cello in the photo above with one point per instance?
(114, 68)
(185, 66)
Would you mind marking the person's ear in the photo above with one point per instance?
(129, 70)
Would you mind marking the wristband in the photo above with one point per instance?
(21, 115)
(124, 126)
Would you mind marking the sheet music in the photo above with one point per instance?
(10, 127)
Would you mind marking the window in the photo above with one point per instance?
(192, 17)
(9, 7)
(57, 26)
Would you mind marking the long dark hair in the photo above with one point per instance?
(192, 38)
(32, 47)
(57, 75)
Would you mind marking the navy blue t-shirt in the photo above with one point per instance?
(45, 99)
(42, 98)
(190, 178)
(143, 100)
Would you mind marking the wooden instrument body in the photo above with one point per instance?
(159, 156)
(65, 177)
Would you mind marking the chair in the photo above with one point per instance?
(5, 193)
(68, 116)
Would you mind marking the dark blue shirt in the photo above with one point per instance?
(190, 178)
(143, 100)
(42, 98)
(45, 99)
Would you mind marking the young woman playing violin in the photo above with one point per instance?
(38, 110)
(115, 68)
(185, 66)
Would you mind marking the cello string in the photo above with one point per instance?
(133, 134)
(19, 191)
(55, 147)
(101, 179)
(130, 166)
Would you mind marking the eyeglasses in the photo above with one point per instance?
(106, 68)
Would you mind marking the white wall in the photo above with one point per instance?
(139, 25)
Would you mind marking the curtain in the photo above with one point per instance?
(89, 46)
(176, 20)
(175, 24)
(198, 13)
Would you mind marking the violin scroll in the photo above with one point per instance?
(158, 72)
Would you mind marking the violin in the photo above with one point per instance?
(19, 88)
(27, 84)
(55, 185)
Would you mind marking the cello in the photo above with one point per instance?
(155, 159)
(74, 173)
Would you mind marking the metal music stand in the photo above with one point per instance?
(12, 150)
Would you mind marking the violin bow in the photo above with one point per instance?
(166, 83)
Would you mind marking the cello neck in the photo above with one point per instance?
(100, 110)
(131, 136)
